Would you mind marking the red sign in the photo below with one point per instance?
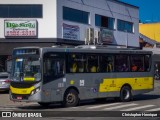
(21, 33)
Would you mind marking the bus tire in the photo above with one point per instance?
(44, 104)
(71, 98)
(125, 94)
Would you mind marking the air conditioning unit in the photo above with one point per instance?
(97, 36)
(90, 35)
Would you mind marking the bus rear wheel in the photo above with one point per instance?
(71, 98)
(125, 94)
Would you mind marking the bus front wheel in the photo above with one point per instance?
(71, 98)
(125, 94)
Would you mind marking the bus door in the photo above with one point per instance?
(53, 73)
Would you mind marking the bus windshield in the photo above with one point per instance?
(26, 69)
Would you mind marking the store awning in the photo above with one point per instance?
(148, 40)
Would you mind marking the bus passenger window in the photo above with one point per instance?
(92, 65)
(109, 67)
(134, 67)
(72, 63)
(106, 63)
(137, 63)
(121, 63)
(81, 67)
(76, 63)
(124, 67)
(73, 67)
(93, 69)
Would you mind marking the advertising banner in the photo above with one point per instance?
(107, 36)
(71, 32)
(25, 29)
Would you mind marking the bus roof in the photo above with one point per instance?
(91, 49)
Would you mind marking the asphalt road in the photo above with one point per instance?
(88, 110)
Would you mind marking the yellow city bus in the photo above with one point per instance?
(67, 75)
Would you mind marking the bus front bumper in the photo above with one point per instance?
(25, 97)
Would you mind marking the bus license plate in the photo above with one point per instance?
(19, 98)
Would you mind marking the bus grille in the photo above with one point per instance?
(22, 84)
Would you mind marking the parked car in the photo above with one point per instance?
(4, 80)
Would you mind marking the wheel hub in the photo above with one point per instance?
(70, 98)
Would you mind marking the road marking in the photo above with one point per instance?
(106, 105)
(121, 106)
(155, 109)
(137, 108)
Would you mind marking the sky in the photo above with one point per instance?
(149, 10)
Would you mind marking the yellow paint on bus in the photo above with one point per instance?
(115, 84)
(22, 91)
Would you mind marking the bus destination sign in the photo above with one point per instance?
(26, 52)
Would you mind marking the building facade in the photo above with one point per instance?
(49, 22)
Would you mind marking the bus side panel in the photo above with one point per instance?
(140, 82)
(85, 83)
(53, 90)
(99, 85)
(115, 84)
(46, 93)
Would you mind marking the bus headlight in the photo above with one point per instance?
(35, 91)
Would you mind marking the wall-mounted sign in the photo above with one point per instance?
(71, 32)
(13, 28)
(106, 36)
